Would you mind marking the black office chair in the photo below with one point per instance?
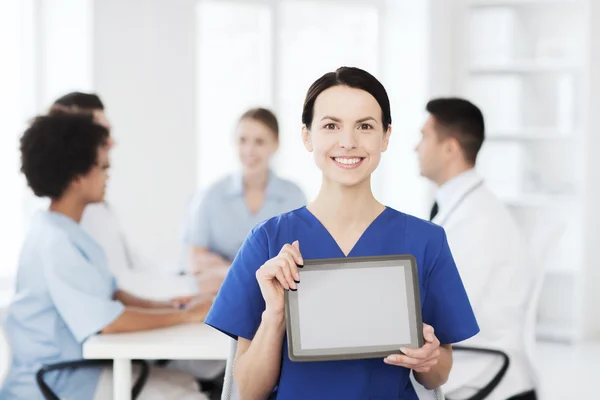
(50, 395)
(480, 393)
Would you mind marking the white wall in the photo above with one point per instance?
(443, 47)
(590, 318)
(144, 69)
(65, 59)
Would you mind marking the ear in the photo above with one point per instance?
(386, 139)
(306, 139)
(75, 184)
(452, 146)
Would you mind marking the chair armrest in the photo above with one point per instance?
(50, 395)
(487, 389)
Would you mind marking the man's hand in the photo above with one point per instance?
(420, 360)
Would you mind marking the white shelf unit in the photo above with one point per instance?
(524, 63)
(517, 3)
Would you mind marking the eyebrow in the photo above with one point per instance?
(358, 121)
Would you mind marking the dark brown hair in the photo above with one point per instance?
(86, 101)
(265, 117)
(351, 77)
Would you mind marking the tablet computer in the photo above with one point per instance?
(354, 308)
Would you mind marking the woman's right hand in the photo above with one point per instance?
(279, 274)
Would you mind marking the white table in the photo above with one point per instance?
(183, 342)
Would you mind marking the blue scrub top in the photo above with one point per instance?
(63, 295)
(220, 219)
(445, 306)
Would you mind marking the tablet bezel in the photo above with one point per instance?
(295, 351)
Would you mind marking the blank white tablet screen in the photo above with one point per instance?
(353, 307)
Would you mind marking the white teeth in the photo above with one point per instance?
(347, 161)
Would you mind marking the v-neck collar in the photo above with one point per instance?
(371, 226)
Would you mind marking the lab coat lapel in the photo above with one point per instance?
(446, 211)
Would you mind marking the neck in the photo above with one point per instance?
(452, 171)
(69, 207)
(345, 205)
(256, 181)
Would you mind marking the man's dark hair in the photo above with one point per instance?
(57, 148)
(85, 101)
(352, 77)
(462, 120)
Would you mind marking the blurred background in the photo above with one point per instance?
(176, 74)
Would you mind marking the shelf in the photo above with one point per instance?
(530, 134)
(526, 67)
(500, 3)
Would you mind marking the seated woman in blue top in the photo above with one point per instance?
(346, 125)
(65, 291)
(232, 206)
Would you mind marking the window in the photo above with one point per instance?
(314, 38)
(268, 52)
(234, 60)
(16, 77)
(32, 75)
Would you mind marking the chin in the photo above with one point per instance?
(348, 181)
(254, 170)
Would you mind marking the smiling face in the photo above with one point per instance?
(346, 136)
(256, 145)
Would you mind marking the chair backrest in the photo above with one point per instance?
(543, 237)
(424, 394)
(230, 391)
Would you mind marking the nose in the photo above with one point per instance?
(417, 146)
(348, 139)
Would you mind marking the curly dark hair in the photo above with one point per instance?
(57, 148)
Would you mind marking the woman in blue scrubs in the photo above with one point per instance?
(346, 126)
(231, 207)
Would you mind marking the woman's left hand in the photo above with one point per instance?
(419, 360)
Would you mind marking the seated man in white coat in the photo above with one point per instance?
(487, 245)
(133, 272)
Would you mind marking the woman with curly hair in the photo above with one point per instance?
(65, 291)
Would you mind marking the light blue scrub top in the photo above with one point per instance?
(220, 219)
(63, 295)
(238, 308)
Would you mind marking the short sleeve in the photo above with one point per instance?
(81, 292)
(197, 227)
(238, 307)
(446, 306)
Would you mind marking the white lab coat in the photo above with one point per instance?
(492, 258)
(134, 273)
